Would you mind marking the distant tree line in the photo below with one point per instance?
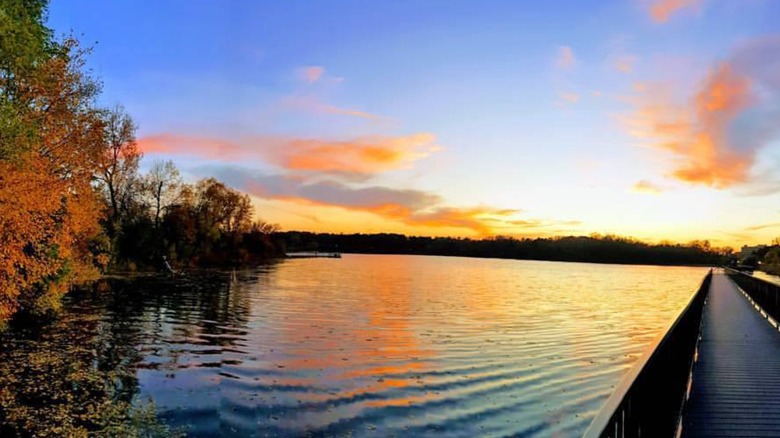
(595, 248)
(72, 202)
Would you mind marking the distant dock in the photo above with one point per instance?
(313, 254)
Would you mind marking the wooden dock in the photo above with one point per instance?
(736, 380)
(714, 373)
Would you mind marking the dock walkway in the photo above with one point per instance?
(736, 380)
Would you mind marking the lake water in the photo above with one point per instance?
(767, 277)
(365, 345)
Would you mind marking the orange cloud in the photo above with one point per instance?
(647, 187)
(312, 74)
(476, 219)
(699, 135)
(565, 59)
(193, 146)
(717, 162)
(662, 10)
(361, 157)
(411, 207)
(473, 218)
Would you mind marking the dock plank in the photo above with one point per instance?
(736, 380)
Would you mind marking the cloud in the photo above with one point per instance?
(761, 227)
(473, 218)
(620, 57)
(355, 159)
(312, 74)
(290, 187)
(412, 207)
(565, 59)
(570, 98)
(362, 156)
(202, 147)
(625, 63)
(313, 105)
(662, 10)
(647, 187)
(715, 136)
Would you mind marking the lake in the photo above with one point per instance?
(365, 345)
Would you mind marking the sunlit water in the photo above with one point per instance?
(767, 277)
(381, 345)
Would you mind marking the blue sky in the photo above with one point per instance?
(458, 117)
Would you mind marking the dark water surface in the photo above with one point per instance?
(358, 346)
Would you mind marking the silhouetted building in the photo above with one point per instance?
(747, 251)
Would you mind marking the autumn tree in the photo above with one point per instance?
(49, 229)
(162, 187)
(117, 167)
(67, 166)
(222, 207)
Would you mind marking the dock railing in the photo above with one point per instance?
(762, 292)
(649, 400)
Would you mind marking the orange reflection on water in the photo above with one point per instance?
(367, 344)
(517, 345)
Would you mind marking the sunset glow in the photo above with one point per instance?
(655, 119)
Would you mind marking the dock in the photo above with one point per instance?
(714, 373)
(736, 380)
(313, 254)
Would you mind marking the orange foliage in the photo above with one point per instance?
(48, 209)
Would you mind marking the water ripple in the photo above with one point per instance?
(393, 345)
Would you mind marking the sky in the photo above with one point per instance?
(655, 119)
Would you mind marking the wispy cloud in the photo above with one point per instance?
(763, 226)
(716, 135)
(644, 186)
(202, 147)
(565, 59)
(306, 171)
(411, 207)
(358, 158)
(662, 10)
(570, 98)
(311, 74)
(620, 57)
(362, 156)
(625, 63)
(473, 218)
(311, 104)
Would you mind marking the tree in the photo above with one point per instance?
(162, 186)
(222, 207)
(265, 228)
(117, 167)
(25, 42)
(48, 211)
